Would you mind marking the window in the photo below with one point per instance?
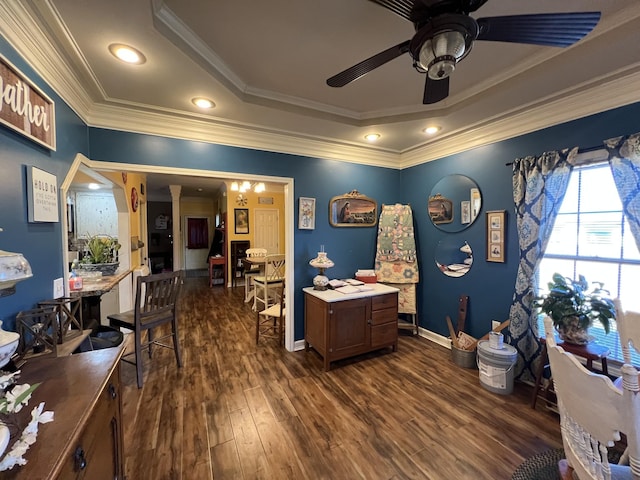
(591, 237)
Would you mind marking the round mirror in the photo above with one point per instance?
(454, 203)
(453, 258)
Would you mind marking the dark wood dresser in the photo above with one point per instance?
(340, 325)
(85, 439)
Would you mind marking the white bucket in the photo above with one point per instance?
(495, 366)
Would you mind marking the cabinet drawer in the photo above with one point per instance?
(95, 453)
(388, 315)
(383, 335)
(389, 300)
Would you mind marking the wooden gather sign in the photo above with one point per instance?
(24, 107)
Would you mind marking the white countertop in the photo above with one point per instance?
(333, 296)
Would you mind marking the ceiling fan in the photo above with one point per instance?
(445, 33)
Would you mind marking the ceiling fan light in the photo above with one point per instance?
(438, 55)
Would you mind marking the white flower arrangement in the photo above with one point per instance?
(12, 398)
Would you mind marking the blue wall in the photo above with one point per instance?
(41, 243)
(349, 248)
(489, 285)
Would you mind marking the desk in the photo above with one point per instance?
(590, 352)
(218, 261)
(341, 325)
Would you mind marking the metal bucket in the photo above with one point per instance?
(495, 367)
(463, 358)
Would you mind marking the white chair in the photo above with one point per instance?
(252, 272)
(593, 412)
(267, 284)
(270, 321)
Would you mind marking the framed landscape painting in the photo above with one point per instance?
(353, 210)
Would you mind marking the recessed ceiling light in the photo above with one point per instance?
(94, 186)
(431, 130)
(372, 137)
(127, 54)
(202, 102)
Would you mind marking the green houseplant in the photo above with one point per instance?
(574, 305)
(100, 254)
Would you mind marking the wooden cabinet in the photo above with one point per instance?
(85, 439)
(339, 326)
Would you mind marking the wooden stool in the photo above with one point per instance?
(591, 351)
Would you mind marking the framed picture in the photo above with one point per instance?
(42, 196)
(495, 235)
(307, 213)
(440, 209)
(241, 217)
(465, 212)
(353, 210)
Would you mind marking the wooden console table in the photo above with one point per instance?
(338, 325)
(85, 438)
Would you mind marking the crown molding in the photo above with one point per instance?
(252, 137)
(609, 93)
(23, 25)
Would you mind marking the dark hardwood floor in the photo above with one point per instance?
(240, 411)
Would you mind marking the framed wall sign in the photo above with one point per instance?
(25, 108)
(241, 217)
(353, 210)
(307, 213)
(42, 196)
(496, 235)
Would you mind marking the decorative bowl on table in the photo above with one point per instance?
(8, 345)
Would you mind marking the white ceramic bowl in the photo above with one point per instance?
(8, 345)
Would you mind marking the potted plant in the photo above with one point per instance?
(100, 254)
(573, 305)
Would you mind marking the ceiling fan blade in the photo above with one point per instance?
(552, 29)
(399, 7)
(435, 90)
(364, 67)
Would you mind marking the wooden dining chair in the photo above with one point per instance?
(267, 284)
(251, 273)
(155, 305)
(270, 322)
(593, 413)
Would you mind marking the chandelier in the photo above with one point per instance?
(245, 186)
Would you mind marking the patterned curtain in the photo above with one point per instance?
(539, 185)
(624, 160)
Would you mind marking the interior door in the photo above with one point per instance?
(267, 228)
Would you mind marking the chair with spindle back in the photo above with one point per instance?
(270, 322)
(267, 283)
(593, 413)
(155, 305)
(249, 274)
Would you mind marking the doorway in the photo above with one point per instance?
(289, 223)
